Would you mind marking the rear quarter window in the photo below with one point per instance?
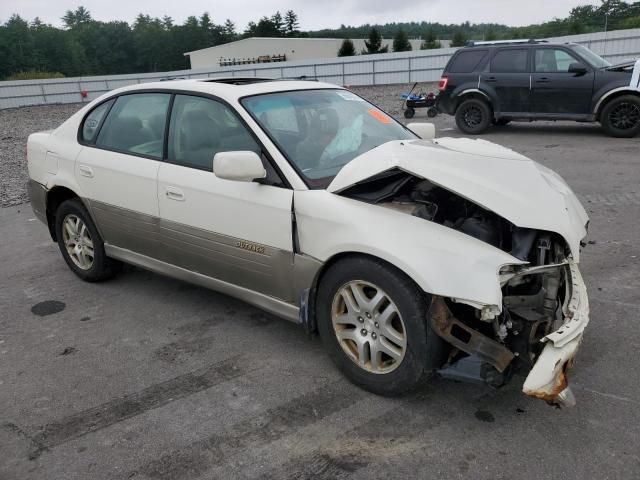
(466, 61)
(92, 122)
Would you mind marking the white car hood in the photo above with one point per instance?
(518, 189)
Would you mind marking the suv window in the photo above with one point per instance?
(200, 127)
(512, 60)
(552, 60)
(135, 124)
(466, 61)
(92, 122)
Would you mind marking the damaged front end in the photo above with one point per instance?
(538, 332)
(537, 329)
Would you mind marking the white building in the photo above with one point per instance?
(261, 49)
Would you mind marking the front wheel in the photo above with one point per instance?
(621, 116)
(80, 243)
(473, 116)
(373, 321)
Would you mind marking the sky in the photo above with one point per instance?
(313, 15)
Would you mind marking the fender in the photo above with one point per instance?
(632, 87)
(440, 260)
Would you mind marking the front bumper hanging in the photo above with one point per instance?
(547, 379)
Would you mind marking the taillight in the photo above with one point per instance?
(442, 85)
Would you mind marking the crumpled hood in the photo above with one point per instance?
(522, 191)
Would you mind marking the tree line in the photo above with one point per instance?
(84, 46)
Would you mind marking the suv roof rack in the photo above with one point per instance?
(473, 43)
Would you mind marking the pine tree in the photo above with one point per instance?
(278, 23)
(430, 41)
(347, 49)
(401, 42)
(459, 39)
(374, 43)
(291, 23)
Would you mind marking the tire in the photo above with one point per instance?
(82, 248)
(620, 117)
(389, 376)
(501, 122)
(409, 113)
(473, 116)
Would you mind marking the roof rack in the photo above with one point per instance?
(250, 80)
(473, 43)
(238, 80)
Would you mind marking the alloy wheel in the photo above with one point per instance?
(77, 241)
(625, 116)
(472, 116)
(369, 327)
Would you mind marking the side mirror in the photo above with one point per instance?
(426, 131)
(577, 68)
(241, 166)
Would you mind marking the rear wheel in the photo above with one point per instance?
(409, 112)
(373, 321)
(473, 116)
(621, 116)
(80, 243)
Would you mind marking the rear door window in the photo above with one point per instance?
(512, 60)
(466, 61)
(136, 124)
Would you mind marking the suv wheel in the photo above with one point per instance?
(621, 116)
(473, 116)
(80, 243)
(373, 321)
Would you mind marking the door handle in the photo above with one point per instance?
(542, 80)
(491, 79)
(85, 171)
(174, 193)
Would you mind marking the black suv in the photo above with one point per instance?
(495, 82)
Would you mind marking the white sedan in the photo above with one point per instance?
(408, 254)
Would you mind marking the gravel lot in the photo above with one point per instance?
(16, 125)
(146, 377)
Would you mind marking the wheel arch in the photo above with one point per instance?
(612, 95)
(55, 197)
(335, 259)
(470, 93)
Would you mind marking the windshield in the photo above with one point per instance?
(320, 131)
(593, 58)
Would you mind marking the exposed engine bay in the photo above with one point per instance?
(489, 346)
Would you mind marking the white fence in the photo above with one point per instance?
(382, 69)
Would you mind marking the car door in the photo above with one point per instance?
(555, 89)
(117, 168)
(508, 80)
(234, 231)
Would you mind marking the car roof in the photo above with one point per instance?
(230, 88)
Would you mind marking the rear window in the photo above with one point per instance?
(466, 61)
(513, 60)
